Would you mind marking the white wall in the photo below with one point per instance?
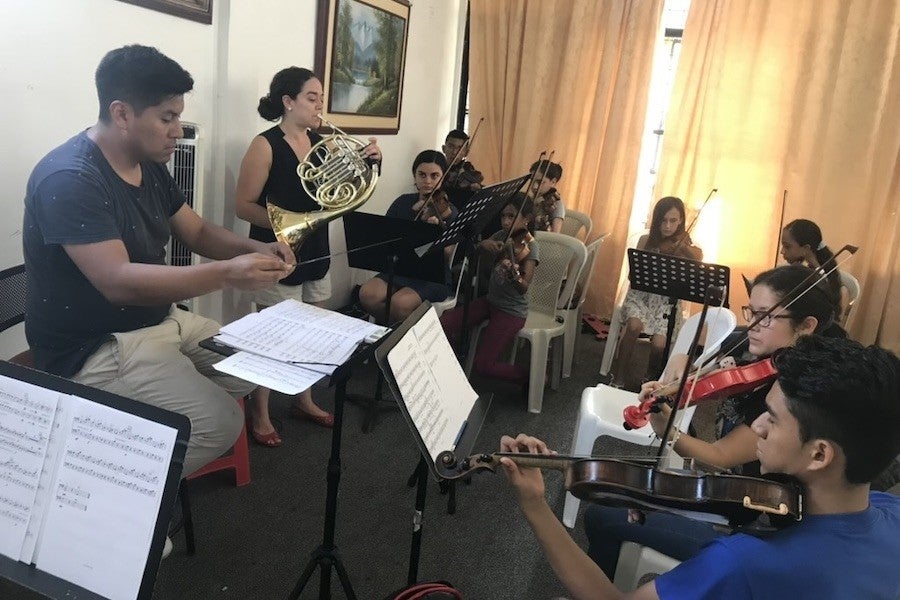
(50, 49)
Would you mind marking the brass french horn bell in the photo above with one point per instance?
(333, 172)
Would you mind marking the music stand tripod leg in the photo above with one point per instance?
(373, 406)
(419, 478)
(325, 556)
(670, 328)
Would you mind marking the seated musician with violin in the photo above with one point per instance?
(463, 179)
(515, 255)
(429, 205)
(549, 210)
(735, 444)
(643, 312)
(830, 422)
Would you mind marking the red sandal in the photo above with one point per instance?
(269, 440)
(326, 420)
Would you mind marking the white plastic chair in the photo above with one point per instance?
(851, 284)
(561, 260)
(601, 406)
(574, 222)
(573, 312)
(615, 325)
(635, 561)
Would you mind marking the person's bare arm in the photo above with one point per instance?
(109, 269)
(578, 573)
(252, 178)
(214, 241)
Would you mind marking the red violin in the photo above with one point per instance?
(713, 386)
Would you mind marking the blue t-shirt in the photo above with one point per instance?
(75, 197)
(846, 556)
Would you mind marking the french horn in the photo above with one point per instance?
(336, 174)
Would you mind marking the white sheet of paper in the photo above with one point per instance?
(26, 419)
(270, 373)
(105, 500)
(62, 423)
(292, 331)
(434, 387)
(289, 341)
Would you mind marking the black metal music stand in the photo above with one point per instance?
(466, 440)
(676, 278)
(394, 243)
(325, 555)
(29, 577)
(466, 230)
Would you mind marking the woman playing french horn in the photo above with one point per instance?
(269, 174)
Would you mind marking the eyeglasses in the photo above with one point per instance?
(751, 315)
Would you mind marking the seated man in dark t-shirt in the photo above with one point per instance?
(99, 212)
(830, 422)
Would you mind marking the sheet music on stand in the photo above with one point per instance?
(290, 346)
(438, 402)
(478, 212)
(87, 484)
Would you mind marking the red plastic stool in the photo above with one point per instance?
(239, 459)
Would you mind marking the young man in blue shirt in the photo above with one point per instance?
(99, 212)
(832, 422)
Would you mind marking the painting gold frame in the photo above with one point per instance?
(363, 83)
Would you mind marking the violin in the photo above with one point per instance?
(437, 205)
(618, 482)
(464, 177)
(712, 386)
(514, 252)
(545, 207)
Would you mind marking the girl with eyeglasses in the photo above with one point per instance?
(734, 446)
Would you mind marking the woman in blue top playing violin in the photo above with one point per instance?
(735, 444)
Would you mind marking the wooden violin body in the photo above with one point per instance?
(618, 482)
(713, 386)
(515, 250)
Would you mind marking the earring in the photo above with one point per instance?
(290, 108)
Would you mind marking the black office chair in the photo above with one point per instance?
(12, 306)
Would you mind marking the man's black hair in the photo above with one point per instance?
(841, 391)
(139, 75)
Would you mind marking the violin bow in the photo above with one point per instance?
(696, 217)
(456, 160)
(817, 276)
(530, 183)
(780, 229)
(711, 293)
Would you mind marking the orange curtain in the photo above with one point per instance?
(570, 76)
(803, 96)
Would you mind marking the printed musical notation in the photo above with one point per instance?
(438, 409)
(71, 472)
(111, 476)
(26, 418)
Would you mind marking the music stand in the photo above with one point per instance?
(31, 578)
(676, 278)
(466, 230)
(325, 555)
(388, 244)
(467, 427)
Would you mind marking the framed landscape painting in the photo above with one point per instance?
(195, 10)
(360, 55)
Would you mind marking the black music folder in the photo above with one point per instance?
(439, 405)
(88, 480)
